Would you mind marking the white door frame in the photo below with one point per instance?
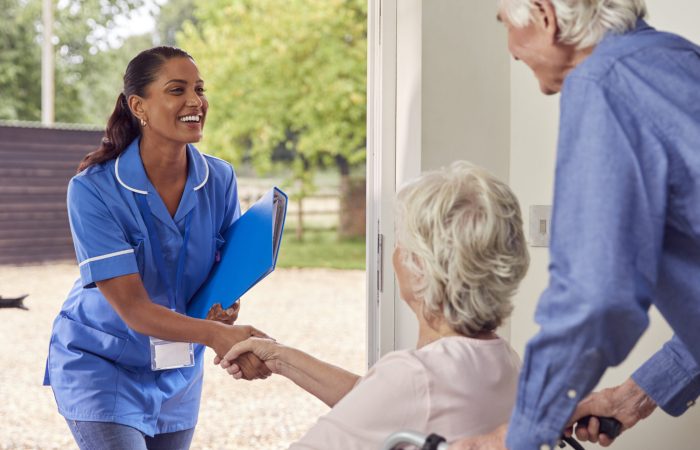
(393, 156)
(381, 153)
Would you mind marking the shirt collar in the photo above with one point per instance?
(640, 25)
(131, 174)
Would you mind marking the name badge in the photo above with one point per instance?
(171, 355)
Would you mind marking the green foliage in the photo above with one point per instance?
(20, 56)
(321, 248)
(88, 71)
(171, 17)
(283, 74)
(98, 88)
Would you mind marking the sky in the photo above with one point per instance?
(140, 22)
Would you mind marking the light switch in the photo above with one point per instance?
(540, 220)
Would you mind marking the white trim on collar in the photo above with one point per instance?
(206, 176)
(116, 172)
(138, 191)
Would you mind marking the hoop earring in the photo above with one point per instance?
(143, 123)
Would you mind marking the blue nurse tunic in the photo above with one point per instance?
(100, 369)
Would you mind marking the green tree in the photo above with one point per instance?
(88, 69)
(97, 88)
(86, 78)
(171, 17)
(20, 56)
(284, 73)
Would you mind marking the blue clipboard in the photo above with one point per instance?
(248, 255)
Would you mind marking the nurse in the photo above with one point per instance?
(147, 212)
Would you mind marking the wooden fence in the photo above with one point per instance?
(35, 167)
(36, 164)
(319, 210)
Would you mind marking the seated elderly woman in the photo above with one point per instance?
(459, 257)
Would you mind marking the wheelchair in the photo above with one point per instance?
(608, 425)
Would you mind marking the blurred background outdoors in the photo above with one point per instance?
(286, 83)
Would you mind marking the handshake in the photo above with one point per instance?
(244, 351)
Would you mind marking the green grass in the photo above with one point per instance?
(321, 248)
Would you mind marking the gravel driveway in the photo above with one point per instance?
(320, 311)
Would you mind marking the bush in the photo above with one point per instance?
(321, 248)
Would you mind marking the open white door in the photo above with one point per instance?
(381, 156)
(393, 156)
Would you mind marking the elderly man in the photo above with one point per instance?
(626, 219)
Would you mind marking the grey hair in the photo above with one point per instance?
(581, 23)
(460, 236)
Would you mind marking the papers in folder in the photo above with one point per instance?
(249, 253)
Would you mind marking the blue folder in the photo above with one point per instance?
(248, 255)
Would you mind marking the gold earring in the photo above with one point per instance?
(143, 123)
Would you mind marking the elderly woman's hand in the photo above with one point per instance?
(227, 316)
(265, 349)
(250, 366)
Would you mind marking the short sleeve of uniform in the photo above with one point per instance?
(101, 246)
(393, 396)
(233, 205)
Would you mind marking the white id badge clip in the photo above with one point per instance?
(171, 355)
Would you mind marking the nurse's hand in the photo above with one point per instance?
(251, 366)
(227, 316)
(267, 350)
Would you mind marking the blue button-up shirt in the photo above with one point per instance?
(625, 232)
(99, 368)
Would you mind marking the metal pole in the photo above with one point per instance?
(47, 65)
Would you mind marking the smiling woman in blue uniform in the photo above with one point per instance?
(147, 212)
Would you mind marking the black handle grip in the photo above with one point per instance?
(433, 441)
(608, 425)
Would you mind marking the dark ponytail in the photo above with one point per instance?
(123, 126)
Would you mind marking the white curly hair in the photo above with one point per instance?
(460, 236)
(581, 23)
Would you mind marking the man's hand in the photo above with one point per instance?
(496, 440)
(227, 316)
(627, 403)
(251, 366)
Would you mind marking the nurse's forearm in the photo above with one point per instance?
(327, 382)
(160, 322)
(130, 300)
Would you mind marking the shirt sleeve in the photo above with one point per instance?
(607, 230)
(393, 396)
(671, 378)
(101, 246)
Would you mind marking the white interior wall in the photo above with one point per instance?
(409, 107)
(465, 86)
(534, 120)
(462, 93)
(470, 122)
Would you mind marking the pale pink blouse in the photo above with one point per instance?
(455, 386)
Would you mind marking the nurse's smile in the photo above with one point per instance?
(175, 104)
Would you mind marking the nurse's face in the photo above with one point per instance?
(175, 106)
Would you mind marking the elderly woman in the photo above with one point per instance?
(626, 226)
(459, 258)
